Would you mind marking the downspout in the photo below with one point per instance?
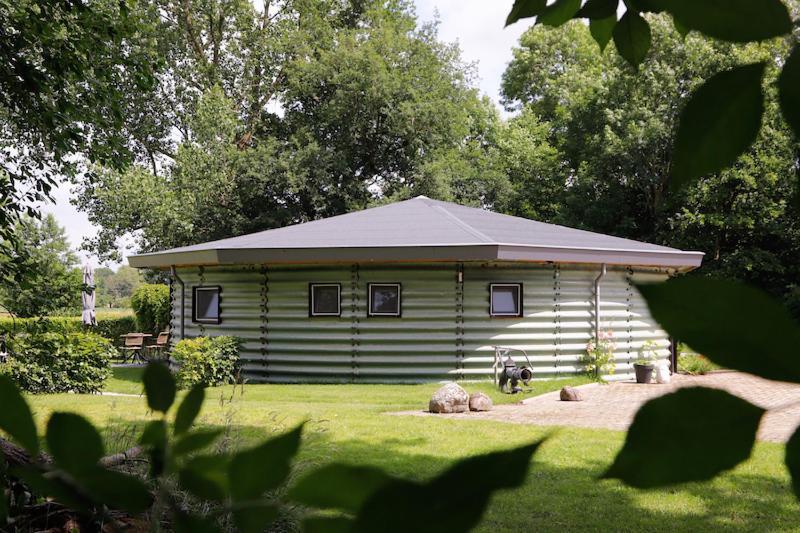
(597, 302)
(174, 273)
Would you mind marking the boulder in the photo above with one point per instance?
(571, 394)
(478, 401)
(449, 399)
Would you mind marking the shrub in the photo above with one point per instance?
(211, 361)
(695, 364)
(151, 305)
(56, 362)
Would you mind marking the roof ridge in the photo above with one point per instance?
(464, 225)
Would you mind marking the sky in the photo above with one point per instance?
(477, 26)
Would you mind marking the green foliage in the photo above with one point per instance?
(733, 323)
(150, 303)
(647, 353)
(368, 99)
(632, 38)
(55, 105)
(16, 418)
(673, 441)
(788, 83)
(732, 20)
(159, 387)
(109, 327)
(793, 461)
(246, 486)
(56, 362)
(695, 364)
(52, 280)
(114, 288)
(210, 361)
(728, 106)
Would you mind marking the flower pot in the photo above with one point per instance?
(644, 373)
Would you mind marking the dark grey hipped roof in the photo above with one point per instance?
(422, 229)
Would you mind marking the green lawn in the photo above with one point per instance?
(346, 423)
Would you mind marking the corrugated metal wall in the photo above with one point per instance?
(445, 331)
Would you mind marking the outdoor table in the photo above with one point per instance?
(136, 354)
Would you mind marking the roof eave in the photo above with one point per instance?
(679, 260)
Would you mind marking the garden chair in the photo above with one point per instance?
(133, 348)
(160, 347)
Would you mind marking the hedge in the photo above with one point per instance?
(111, 327)
(211, 361)
(57, 362)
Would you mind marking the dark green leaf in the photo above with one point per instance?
(338, 486)
(689, 435)
(327, 524)
(468, 485)
(187, 523)
(559, 12)
(15, 416)
(255, 518)
(51, 487)
(154, 437)
(732, 20)
(159, 386)
(74, 442)
(632, 37)
(197, 440)
(599, 9)
(264, 467)
(602, 30)
(789, 90)
(720, 121)
(525, 9)
(734, 325)
(793, 460)
(189, 409)
(680, 28)
(154, 434)
(652, 6)
(116, 490)
(206, 477)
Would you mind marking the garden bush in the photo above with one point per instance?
(151, 305)
(57, 362)
(210, 361)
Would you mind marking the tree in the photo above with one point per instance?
(352, 100)
(735, 325)
(52, 281)
(613, 127)
(114, 289)
(58, 109)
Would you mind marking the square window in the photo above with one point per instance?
(205, 304)
(325, 299)
(506, 299)
(384, 299)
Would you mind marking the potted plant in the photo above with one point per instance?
(645, 364)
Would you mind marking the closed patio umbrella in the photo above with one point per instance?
(87, 297)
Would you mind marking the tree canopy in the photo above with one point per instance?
(613, 128)
(53, 280)
(304, 110)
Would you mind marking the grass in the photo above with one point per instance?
(562, 491)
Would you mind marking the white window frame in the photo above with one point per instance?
(208, 288)
(518, 287)
(312, 286)
(399, 299)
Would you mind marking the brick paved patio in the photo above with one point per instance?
(613, 406)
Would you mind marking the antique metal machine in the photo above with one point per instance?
(507, 375)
